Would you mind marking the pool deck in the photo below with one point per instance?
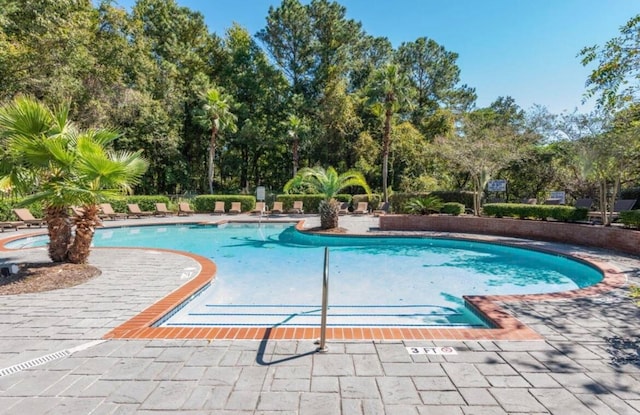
(55, 359)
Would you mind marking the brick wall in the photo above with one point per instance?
(617, 239)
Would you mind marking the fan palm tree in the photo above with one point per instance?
(53, 163)
(215, 115)
(388, 93)
(328, 183)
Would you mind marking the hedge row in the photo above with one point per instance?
(523, 211)
(630, 218)
(207, 203)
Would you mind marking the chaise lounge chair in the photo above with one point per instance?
(236, 207)
(259, 209)
(107, 211)
(344, 208)
(297, 207)
(25, 216)
(134, 210)
(161, 210)
(185, 209)
(276, 209)
(621, 205)
(383, 209)
(219, 208)
(584, 203)
(10, 225)
(362, 208)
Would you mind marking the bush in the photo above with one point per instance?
(523, 211)
(424, 205)
(452, 208)
(630, 218)
(399, 200)
(207, 203)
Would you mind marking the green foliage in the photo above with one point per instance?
(630, 218)
(400, 200)
(207, 203)
(542, 212)
(452, 208)
(326, 182)
(424, 206)
(635, 293)
(310, 203)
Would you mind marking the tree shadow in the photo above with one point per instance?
(623, 351)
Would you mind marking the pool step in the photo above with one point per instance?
(309, 315)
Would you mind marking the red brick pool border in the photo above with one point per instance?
(507, 327)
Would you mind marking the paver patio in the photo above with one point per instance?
(587, 363)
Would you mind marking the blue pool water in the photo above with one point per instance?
(271, 274)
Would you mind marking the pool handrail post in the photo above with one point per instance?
(325, 303)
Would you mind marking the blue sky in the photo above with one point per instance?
(522, 48)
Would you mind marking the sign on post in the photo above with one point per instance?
(497, 186)
(260, 193)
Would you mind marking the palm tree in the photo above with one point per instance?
(328, 183)
(215, 115)
(52, 162)
(388, 93)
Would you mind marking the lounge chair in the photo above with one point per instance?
(25, 216)
(362, 208)
(134, 211)
(297, 207)
(584, 203)
(276, 209)
(161, 210)
(219, 208)
(383, 209)
(259, 209)
(185, 209)
(236, 207)
(621, 205)
(530, 201)
(10, 225)
(107, 211)
(344, 208)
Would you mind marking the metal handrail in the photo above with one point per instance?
(322, 347)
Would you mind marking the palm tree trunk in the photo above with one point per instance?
(85, 228)
(59, 227)
(329, 214)
(212, 154)
(386, 140)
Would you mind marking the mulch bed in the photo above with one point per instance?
(38, 277)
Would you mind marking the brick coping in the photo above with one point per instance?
(506, 326)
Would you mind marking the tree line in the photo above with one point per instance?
(224, 113)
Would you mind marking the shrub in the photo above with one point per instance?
(630, 218)
(452, 208)
(424, 205)
(399, 200)
(207, 203)
(523, 211)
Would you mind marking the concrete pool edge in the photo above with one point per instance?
(508, 327)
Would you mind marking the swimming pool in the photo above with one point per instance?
(271, 275)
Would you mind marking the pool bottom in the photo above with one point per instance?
(506, 326)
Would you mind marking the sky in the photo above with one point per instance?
(526, 49)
